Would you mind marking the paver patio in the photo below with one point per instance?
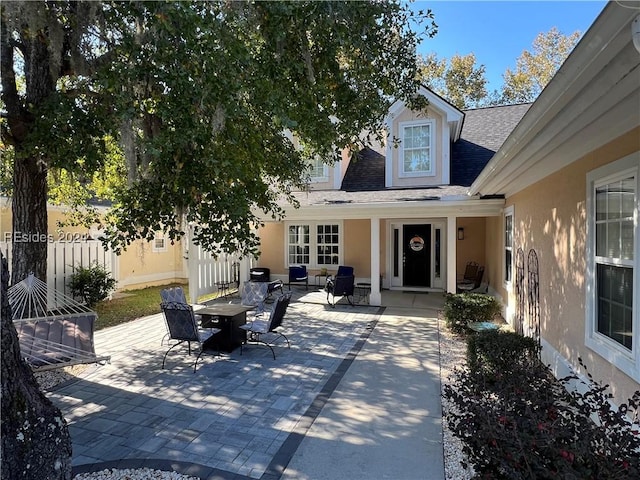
(238, 416)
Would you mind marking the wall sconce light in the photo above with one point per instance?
(460, 233)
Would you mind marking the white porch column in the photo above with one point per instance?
(376, 297)
(452, 239)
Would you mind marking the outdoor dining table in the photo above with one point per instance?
(228, 318)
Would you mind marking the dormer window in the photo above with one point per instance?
(319, 170)
(417, 149)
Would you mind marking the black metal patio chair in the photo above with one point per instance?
(183, 327)
(258, 328)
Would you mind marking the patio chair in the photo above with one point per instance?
(340, 286)
(255, 294)
(274, 286)
(469, 276)
(344, 270)
(259, 327)
(298, 274)
(175, 295)
(183, 327)
(263, 274)
(471, 284)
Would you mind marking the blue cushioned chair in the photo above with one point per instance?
(298, 274)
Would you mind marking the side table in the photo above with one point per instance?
(223, 288)
(319, 276)
(363, 289)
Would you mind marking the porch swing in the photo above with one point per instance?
(54, 330)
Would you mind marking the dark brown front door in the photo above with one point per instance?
(416, 255)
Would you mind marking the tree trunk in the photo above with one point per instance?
(29, 204)
(35, 438)
(29, 208)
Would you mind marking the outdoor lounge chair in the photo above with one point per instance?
(340, 286)
(259, 327)
(472, 283)
(469, 276)
(298, 274)
(344, 270)
(183, 327)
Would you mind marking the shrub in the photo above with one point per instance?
(527, 426)
(462, 308)
(92, 284)
(494, 353)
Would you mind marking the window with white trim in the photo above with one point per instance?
(325, 243)
(416, 157)
(298, 245)
(508, 245)
(319, 170)
(612, 300)
(159, 242)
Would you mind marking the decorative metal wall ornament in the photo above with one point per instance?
(416, 243)
(533, 288)
(520, 292)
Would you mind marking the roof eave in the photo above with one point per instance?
(471, 207)
(605, 56)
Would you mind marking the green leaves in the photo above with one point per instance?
(204, 98)
(211, 90)
(535, 68)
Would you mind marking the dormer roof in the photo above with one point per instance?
(483, 132)
(453, 115)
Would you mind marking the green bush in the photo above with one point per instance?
(463, 308)
(92, 284)
(494, 353)
(528, 426)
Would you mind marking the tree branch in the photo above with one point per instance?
(18, 118)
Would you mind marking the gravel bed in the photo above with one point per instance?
(50, 378)
(133, 474)
(452, 353)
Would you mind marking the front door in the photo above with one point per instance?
(416, 255)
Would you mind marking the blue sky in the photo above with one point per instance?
(498, 31)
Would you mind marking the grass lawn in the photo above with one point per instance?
(134, 304)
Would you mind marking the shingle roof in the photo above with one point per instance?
(483, 132)
(365, 172)
(341, 197)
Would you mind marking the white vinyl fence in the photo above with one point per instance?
(205, 272)
(62, 257)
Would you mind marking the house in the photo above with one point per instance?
(569, 174)
(544, 195)
(386, 197)
(143, 264)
